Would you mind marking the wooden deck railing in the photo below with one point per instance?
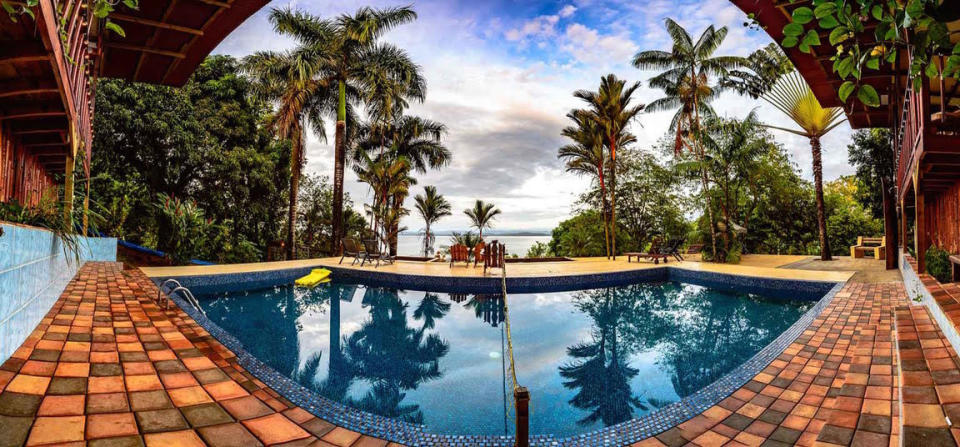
(73, 22)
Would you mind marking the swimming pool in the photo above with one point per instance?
(591, 358)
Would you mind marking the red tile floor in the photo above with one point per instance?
(108, 367)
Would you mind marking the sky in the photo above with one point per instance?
(501, 76)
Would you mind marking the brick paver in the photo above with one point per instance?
(107, 366)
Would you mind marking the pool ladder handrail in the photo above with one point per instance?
(188, 295)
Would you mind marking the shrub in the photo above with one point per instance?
(938, 264)
(539, 250)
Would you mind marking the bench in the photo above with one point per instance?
(954, 264)
(655, 256)
(877, 246)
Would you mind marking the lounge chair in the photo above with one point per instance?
(493, 256)
(694, 249)
(353, 249)
(656, 252)
(459, 253)
(673, 248)
(479, 251)
(371, 252)
(876, 245)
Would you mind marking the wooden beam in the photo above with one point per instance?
(123, 46)
(33, 145)
(20, 51)
(47, 152)
(25, 115)
(156, 24)
(38, 131)
(215, 3)
(26, 87)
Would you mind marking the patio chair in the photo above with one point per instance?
(372, 252)
(673, 249)
(459, 253)
(656, 252)
(353, 249)
(493, 256)
(479, 251)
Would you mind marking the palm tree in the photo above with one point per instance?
(390, 182)
(352, 60)
(792, 96)
(432, 206)
(289, 80)
(685, 80)
(482, 215)
(415, 139)
(585, 156)
(609, 108)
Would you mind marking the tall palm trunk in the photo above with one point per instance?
(296, 167)
(703, 168)
(340, 155)
(603, 212)
(821, 211)
(613, 196)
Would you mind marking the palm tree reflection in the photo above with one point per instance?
(697, 334)
(386, 354)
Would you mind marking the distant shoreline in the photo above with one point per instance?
(488, 232)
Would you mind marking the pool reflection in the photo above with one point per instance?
(591, 358)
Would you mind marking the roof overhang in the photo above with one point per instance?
(166, 40)
(817, 68)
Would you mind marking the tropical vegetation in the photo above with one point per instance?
(215, 170)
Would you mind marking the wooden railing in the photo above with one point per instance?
(913, 123)
(73, 21)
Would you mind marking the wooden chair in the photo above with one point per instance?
(493, 256)
(353, 249)
(673, 249)
(479, 253)
(876, 245)
(459, 253)
(371, 252)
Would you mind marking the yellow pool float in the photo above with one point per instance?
(317, 276)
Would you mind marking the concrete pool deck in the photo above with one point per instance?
(108, 367)
(766, 266)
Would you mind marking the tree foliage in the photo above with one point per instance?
(203, 143)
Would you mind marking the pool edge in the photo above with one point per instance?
(625, 433)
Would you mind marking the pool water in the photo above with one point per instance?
(590, 358)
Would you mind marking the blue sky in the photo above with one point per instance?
(501, 74)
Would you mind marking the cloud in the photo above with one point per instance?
(538, 28)
(501, 75)
(588, 46)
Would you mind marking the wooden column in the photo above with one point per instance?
(68, 173)
(920, 232)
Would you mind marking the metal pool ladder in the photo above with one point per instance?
(177, 287)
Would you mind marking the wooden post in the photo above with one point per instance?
(920, 232)
(68, 174)
(521, 398)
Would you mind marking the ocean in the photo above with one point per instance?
(409, 244)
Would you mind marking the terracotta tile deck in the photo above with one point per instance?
(108, 367)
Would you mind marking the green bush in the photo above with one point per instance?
(938, 264)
